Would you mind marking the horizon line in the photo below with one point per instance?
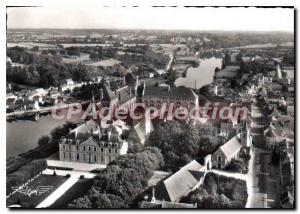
(153, 29)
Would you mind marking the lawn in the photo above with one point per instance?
(78, 189)
(50, 183)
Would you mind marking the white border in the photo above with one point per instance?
(5, 3)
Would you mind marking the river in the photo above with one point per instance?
(23, 135)
(201, 75)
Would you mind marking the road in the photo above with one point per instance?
(263, 181)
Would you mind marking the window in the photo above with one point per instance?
(102, 150)
(70, 147)
(116, 150)
(109, 150)
(77, 147)
(84, 148)
(64, 155)
(109, 158)
(89, 148)
(95, 158)
(95, 149)
(102, 158)
(77, 156)
(64, 146)
(70, 156)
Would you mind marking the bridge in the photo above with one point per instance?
(23, 113)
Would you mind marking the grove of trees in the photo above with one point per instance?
(181, 143)
(219, 192)
(121, 181)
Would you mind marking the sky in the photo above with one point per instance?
(180, 18)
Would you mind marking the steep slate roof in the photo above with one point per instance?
(181, 183)
(108, 94)
(273, 131)
(176, 92)
(130, 79)
(86, 127)
(139, 130)
(230, 147)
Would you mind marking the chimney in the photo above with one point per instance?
(137, 80)
(153, 200)
(108, 135)
(124, 80)
(144, 88)
(101, 94)
(216, 90)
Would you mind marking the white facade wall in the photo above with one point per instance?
(90, 153)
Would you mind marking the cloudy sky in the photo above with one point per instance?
(240, 19)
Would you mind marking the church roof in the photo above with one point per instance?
(108, 94)
(176, 92)
(230, 147)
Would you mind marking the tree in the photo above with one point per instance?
(35, 48)
(108, 201)
(94, 56)
(227, 58)
(210, 184)
(122, 180)
(60, 131)
(73, 51)
(44, 140)
(181, 143)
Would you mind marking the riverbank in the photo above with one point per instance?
(41, 151)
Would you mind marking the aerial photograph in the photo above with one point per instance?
(150, 107)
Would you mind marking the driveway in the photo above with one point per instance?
(65, 186)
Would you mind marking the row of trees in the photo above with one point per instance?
(121, 181)
(180, 143)
(144, 56)
(47, 74)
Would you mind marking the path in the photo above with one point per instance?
(58, 193)
(65, 186)
(230, 174)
